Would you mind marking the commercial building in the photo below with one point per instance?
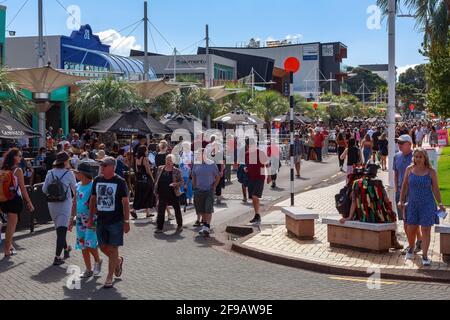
(322, 65)
(82, 53)
(193, 66)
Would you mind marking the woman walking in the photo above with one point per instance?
(383, 144)
(186, 162)
(12, 204)
(59, 186)
(421, 187)
(86, 236)
(341, 146)
(434, 138)
(167, 189)
(143, 192)
(353, 155)
(367, 148)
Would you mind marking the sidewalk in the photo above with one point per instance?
(273, 244)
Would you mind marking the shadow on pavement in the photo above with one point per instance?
(207, 242)
(51, 274)
(92, 289)
(7, 264)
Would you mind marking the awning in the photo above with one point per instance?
(11, 128)
(153, 89)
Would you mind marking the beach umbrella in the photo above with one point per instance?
(131, 122)
(11, 128)
(239, 118)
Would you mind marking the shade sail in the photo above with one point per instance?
(131, 122)
(239, 117)
(11, 128)
(183, 121)
(42, 80)
(153, 89)
(217, 93)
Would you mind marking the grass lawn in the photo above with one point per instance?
(444, 175)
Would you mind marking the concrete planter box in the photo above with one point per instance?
(300, 222)
(360, 236)
(444, 231)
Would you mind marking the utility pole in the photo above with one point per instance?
(331, 83)
(146, 65)
(208, 74)
(392, 95)
(41, 64)
(174, 64)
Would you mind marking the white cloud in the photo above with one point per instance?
(120, 45)
(403, 69)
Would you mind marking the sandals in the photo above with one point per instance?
(119, 269)
(108, 285)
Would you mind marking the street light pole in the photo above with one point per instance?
(41, 55)
(146, 65)
(392, 95)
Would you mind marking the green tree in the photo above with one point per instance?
(362, 76)
(438, 75)
(100, 99)
(12, 99)
(414, 76)
(268, 105)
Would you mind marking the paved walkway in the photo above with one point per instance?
(274, 239)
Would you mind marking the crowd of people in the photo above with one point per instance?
(99, 187)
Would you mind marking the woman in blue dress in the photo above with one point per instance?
(186, 162)
(421, 187)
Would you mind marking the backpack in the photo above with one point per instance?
(7, 189)
(56, 190)
(344, 202)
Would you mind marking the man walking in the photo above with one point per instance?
(318, 143)
(256, 162)
(205, 178)
(299, 150)
(109, 201)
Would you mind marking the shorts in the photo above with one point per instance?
(204, 201)
(298, 159)
(110, 234)
(14, 206)
(255, 188)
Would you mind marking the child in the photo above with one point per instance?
(86, 237)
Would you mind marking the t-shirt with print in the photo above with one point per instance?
(109, 194)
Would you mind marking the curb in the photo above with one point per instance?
(318, 267)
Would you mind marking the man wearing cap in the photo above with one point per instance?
(402, 160)
(110, 202)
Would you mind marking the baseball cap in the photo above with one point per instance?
(404, 138)
(85, 168)
(108, 161)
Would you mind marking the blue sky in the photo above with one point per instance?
(182, 23)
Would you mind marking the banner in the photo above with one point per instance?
(442, 138)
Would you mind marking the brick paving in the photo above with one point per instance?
(275, 239)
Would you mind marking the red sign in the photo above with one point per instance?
(411, 107)
(315, 106)
(292, 64)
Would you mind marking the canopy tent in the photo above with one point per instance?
(11, 128)
(154, 88)
(42, 80)
(239, 118)
(183, 121)
(353, 119)
(298, 118)
(131, 122)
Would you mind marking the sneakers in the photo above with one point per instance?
(274, 185)
(426, 261)
(133, 214)
(205, 231)
(410, 254)
(171, 217)
(58, 261)
(86, 274)
(256, 219)
(158, 231)
(179, 229)
(98, 268)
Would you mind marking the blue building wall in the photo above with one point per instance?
(83, 38)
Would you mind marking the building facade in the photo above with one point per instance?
(82, 53)
(2, 34)
(320, 62)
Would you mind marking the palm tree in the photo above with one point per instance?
(12, 99)
(100, 99)
(432, 18)
(269, 104)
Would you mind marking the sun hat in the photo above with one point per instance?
(61, 158)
